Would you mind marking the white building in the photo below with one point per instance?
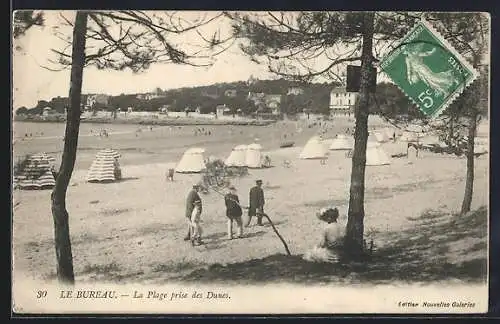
(149, 96)
(342, 102)
(97, 98)
(231, 93)
(273, 101)
(295, 91)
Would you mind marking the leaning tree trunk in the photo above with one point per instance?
(356, 213)
(64, 256)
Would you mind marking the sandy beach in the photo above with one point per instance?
(132, 230)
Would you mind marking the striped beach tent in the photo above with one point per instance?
(35, 172)
(105, 167)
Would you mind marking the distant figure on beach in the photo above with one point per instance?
(330, 244)
(53, 171)
(233, 213)
(170, 174)
(256, 202)
(190, 204)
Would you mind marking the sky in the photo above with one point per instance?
(32, 82)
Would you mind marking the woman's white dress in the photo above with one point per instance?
(332, 236)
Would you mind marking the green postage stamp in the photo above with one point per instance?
(428, 69)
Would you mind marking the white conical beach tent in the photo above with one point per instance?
(409, 137)
(483, 128)
(430, 140)
(415, 128)
(389, 132)
(481, 145)
(314, 149)
(237, 157)
(192, 161)
(341, 142)
(105, 167)
(36, 173)
(375, 155)
(372, 138)
(381, 136)
(253, 156)
(372, 141)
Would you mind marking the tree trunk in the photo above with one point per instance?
(356, 213)
(469, 179)
(64, 256)
(473, 103)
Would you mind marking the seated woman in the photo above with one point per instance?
(331, 238)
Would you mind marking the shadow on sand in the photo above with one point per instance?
(416, 255)
(124, 179)
(218, 240)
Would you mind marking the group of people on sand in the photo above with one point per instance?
(101, 133)
(202, 131)
(326, 250)
(234, 211)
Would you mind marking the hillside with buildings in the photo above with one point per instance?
(271, 99)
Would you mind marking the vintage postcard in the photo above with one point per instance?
(226, 163)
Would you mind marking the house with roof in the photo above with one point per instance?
(149, 96)
(100, 98)
(273, 101)
(231, 93)
(296, 91)
(342, 102)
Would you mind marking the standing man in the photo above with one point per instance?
(192, 197)
(257, 202)
(233, 213)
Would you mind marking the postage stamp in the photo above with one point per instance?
(428, 69)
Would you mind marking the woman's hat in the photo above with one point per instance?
(258, 181)
(328, 214)
(232, 187)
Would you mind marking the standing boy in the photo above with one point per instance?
(192, 197)
(233, 213)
